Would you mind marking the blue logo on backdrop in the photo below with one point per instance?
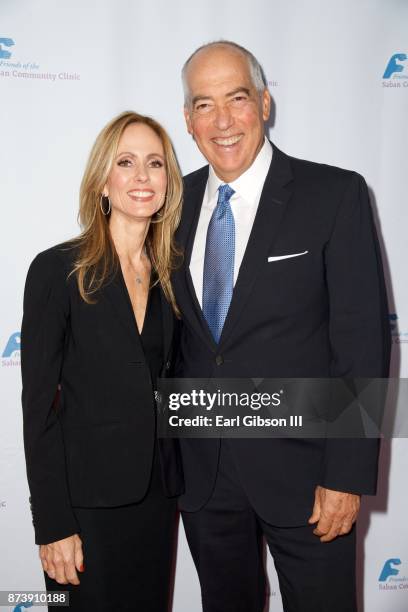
(393, 317)
(392, 577)
(394, 65)
(398, 336)
(5, 42)
(11, 353)
(388, 569)
(19, 608)
(20, 68)
(12, 345)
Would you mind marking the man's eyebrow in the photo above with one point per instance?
(244, 90)
(200, 97)
(238, 90)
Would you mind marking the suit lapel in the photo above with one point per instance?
(193, 199)
(265, 230)
(275, 194)
(116, 294)
(168, 322)
(184, 287)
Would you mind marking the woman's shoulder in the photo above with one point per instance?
(53, 265)
(58, 257)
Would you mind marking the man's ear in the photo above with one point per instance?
(266, 104)
(187, 117)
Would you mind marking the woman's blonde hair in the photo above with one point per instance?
(97, 258)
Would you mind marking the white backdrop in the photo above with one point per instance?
(66, 68)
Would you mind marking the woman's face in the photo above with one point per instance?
(137, 182)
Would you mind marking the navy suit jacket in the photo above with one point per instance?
(319, 315)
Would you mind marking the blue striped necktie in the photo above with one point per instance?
(218, 278)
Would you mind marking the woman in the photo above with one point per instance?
(98, 325)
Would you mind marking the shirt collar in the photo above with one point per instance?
(244, 184)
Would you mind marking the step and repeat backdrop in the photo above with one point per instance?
(338, 74)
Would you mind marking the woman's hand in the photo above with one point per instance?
(61, 559)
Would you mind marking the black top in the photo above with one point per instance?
(152, 334)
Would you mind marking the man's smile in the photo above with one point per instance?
(227, 141)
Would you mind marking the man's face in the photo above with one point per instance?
(226, 113)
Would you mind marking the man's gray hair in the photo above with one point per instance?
(256, 71)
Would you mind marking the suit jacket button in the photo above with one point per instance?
(168, 364)
(219, 360)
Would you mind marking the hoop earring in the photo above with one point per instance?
(101, 204)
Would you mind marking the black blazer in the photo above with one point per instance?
(322, 314)
(92, 445)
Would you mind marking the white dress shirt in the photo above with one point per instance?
(244, 204)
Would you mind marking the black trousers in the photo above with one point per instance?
(128, 555)
(225, 539)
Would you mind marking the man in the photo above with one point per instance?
(281, 278)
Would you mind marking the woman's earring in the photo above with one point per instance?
(102, 202)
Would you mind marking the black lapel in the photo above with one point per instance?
(193, 198)
(168, 322)
(183, 283)
(116, 293)
(263, 234)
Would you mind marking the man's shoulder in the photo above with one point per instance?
(304, 169)
(195, 177)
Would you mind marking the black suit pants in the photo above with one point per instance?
(225, 539)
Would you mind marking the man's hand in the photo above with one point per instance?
(61, 559)
(334, 512)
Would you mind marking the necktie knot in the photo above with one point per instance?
(225, 192)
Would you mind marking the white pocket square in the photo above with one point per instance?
(278, 257)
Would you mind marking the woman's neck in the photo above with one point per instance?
(129, 236)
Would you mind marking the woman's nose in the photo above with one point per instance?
(141, 174)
